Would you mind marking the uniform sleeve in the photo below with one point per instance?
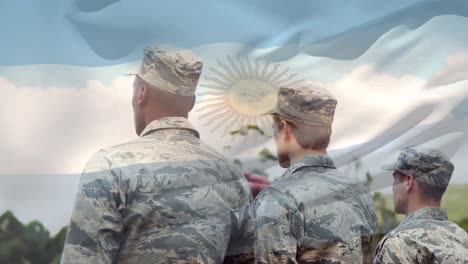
(394, 250)
(95, 227)
(241, 246)
(280, 227)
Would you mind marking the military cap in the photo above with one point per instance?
(171, 69)
(306, 103)
(425, 164)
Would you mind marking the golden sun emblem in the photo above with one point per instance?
(242, 94)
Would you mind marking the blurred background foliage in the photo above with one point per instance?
(29, 243)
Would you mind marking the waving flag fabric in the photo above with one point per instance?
(398, 68)
(96, 33)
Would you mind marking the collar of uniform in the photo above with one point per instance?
(323, 161)
(169, 123)
(436, 213)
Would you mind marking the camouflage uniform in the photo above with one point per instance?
(426, 235)
(313, 213)
(163, 198)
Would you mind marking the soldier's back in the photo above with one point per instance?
(334, 211)
(178, 201)
(427, 236)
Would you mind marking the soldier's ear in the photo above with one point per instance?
(410, 182)
(287, 129)
(142, 94)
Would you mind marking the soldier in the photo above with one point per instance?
(421, 176)
(312, 213)
(165, 197)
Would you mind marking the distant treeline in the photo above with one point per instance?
(32, 243)
(29, 243)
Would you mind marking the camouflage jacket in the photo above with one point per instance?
(163, 198)
(426, 236)
(314, 214)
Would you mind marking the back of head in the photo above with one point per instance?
(307, 136)
(167, 103)
(172, 74)
(171, 69)
(310, 110)
(165, 84)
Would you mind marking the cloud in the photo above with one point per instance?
(368, 101)
(456, 70)
(56, 129)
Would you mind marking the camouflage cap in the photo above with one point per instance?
(171, 69)
(425, 164)
(306, 103)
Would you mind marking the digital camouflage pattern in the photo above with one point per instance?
(426, 236)
(425, 164)
(163, 198)
(314, 214)
(306, 103)
(171, 69)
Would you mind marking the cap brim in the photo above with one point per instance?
(389, 167)
(272, 111)
(132, 71)
(130, 74)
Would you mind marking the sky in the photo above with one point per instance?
(400, 77)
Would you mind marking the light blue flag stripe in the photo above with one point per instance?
(98, 33)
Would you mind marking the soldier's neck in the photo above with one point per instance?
(417, 204)
(156, 116)
(300, 154)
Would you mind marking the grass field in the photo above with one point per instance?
(456, 202)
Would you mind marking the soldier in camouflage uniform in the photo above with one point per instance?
(421, 176)
(313, 213)
(165, 197)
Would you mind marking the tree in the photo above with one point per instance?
(29, 243)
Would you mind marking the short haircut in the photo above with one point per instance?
(175, 103)
(307, 136)
(426, 190)
(430, 191)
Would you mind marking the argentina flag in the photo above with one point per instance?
(399, 70)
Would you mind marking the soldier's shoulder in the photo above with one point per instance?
(296, 189)
(121, 155)
(325, 177)
(399, 240)
(309, 185)
(156, 149)
(460, 233)
(429, 230)
(392, 248)
(136, 143)
(277, 194)
(449, 231)
(127, 148)
(208, 151)
(272, 191)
